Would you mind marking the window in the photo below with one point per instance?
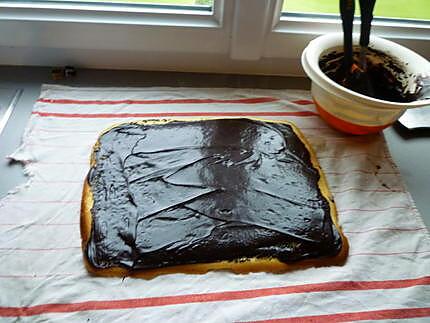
(233, 36)
(203, 3)
(109, 34)
(130, 5)
(403, 9)
(300, 21)
(149, 12)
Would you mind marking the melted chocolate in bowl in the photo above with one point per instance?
(385, 78)
(206, 191)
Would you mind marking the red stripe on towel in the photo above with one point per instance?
(303, 102)
(343, 211)
(40, 249)
(385, 229)
(357, 189)
(38, 224)
(176, 114)
(168, 101)
(388, 253)
(210, 297)
(362, 171)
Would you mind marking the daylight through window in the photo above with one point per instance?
(403, 9)
(199, 3)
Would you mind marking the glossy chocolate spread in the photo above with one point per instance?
(205, 191)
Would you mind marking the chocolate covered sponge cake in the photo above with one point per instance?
(191, 196)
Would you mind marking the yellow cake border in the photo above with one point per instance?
(242, 266)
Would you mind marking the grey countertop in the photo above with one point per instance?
(410, 149)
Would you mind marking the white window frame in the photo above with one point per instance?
(240, 36)
(290, 34)
(119, 37)
(132, 14)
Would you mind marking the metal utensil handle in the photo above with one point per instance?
(366, 11)
(5, 117)
(347, 9)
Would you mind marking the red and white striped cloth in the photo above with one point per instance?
(42, 277)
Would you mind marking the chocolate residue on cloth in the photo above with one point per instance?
(206, 191)
(384, 79)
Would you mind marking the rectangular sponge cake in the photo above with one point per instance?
(191, 196)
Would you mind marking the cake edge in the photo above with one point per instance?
(240, 266)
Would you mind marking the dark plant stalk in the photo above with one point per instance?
(347, 9)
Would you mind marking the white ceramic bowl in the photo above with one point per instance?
(350, 111)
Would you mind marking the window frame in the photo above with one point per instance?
(105, 13)
(298, 29)
(115, 28)
(239, 36)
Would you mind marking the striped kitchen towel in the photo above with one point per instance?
(42, 276)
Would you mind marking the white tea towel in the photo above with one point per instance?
(42, 276)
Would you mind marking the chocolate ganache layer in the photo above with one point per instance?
(205, 191)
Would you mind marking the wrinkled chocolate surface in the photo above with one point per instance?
(205, 191)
